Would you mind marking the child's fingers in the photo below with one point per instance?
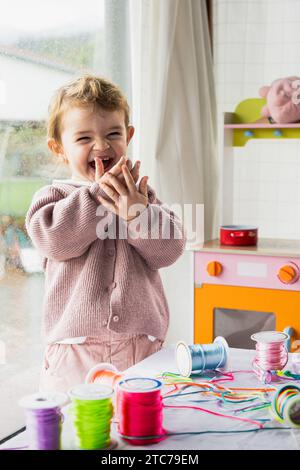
(128, 179)
(117, 168)
(135, 172)
(99, 168)
(115, 183)
(129, 164)
(143, 186)
(111, 192)
(109, 205)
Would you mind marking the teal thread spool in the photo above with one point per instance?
(196, 358)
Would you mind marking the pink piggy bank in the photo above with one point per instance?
(283, 100)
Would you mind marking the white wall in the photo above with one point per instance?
(178, 281)
(256, 42)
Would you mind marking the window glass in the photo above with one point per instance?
(42, 45)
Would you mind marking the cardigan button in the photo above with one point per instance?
(111, 252)
(115, 318)
(111, 286)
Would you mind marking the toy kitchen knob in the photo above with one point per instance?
(288, 274)
(214, 268)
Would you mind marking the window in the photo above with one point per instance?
(41, 47)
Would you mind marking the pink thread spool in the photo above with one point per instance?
(271, 354)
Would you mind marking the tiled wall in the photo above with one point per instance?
(256, 42)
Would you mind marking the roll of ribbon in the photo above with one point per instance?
(104, 373)
(199, 357)
(271, 354)
(140, 410)
(286, 405)
(92, 412)
(44, 419)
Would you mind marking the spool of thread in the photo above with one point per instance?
(196, 358)
(286, 405)
(140, 408)
(104, 373)
(271, 354)
(44, 419)
(92, 412)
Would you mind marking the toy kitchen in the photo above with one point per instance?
(244, 285)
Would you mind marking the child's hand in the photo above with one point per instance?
(117, 170)
(135, 170)
(126, 195)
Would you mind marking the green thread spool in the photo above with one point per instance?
(92, 411)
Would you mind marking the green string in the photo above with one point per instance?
(176, 377)
(288, 374)
(259, 407)
(242, 400)
(91, 420)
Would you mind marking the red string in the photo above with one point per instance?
(227, 377)
(175, 389)
(260, 425)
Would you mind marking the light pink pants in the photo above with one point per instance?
(66, 365)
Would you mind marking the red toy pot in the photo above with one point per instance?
(238, 235)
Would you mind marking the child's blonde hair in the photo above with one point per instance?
(83, 91)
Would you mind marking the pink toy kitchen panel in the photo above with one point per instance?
(245, 270)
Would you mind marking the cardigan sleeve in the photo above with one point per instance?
(63, 227)
(157, 234)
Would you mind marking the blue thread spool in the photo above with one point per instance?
(289, 330)
(277, 133)
(199, 357)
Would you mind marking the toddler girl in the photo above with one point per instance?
(102, 239)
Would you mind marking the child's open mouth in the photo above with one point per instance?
(107, 163)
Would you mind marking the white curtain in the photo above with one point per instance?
(174, 103)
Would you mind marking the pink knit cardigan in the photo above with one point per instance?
(94, 283)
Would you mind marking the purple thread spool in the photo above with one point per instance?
(44, 419)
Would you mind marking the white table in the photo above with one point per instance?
(185, 420)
